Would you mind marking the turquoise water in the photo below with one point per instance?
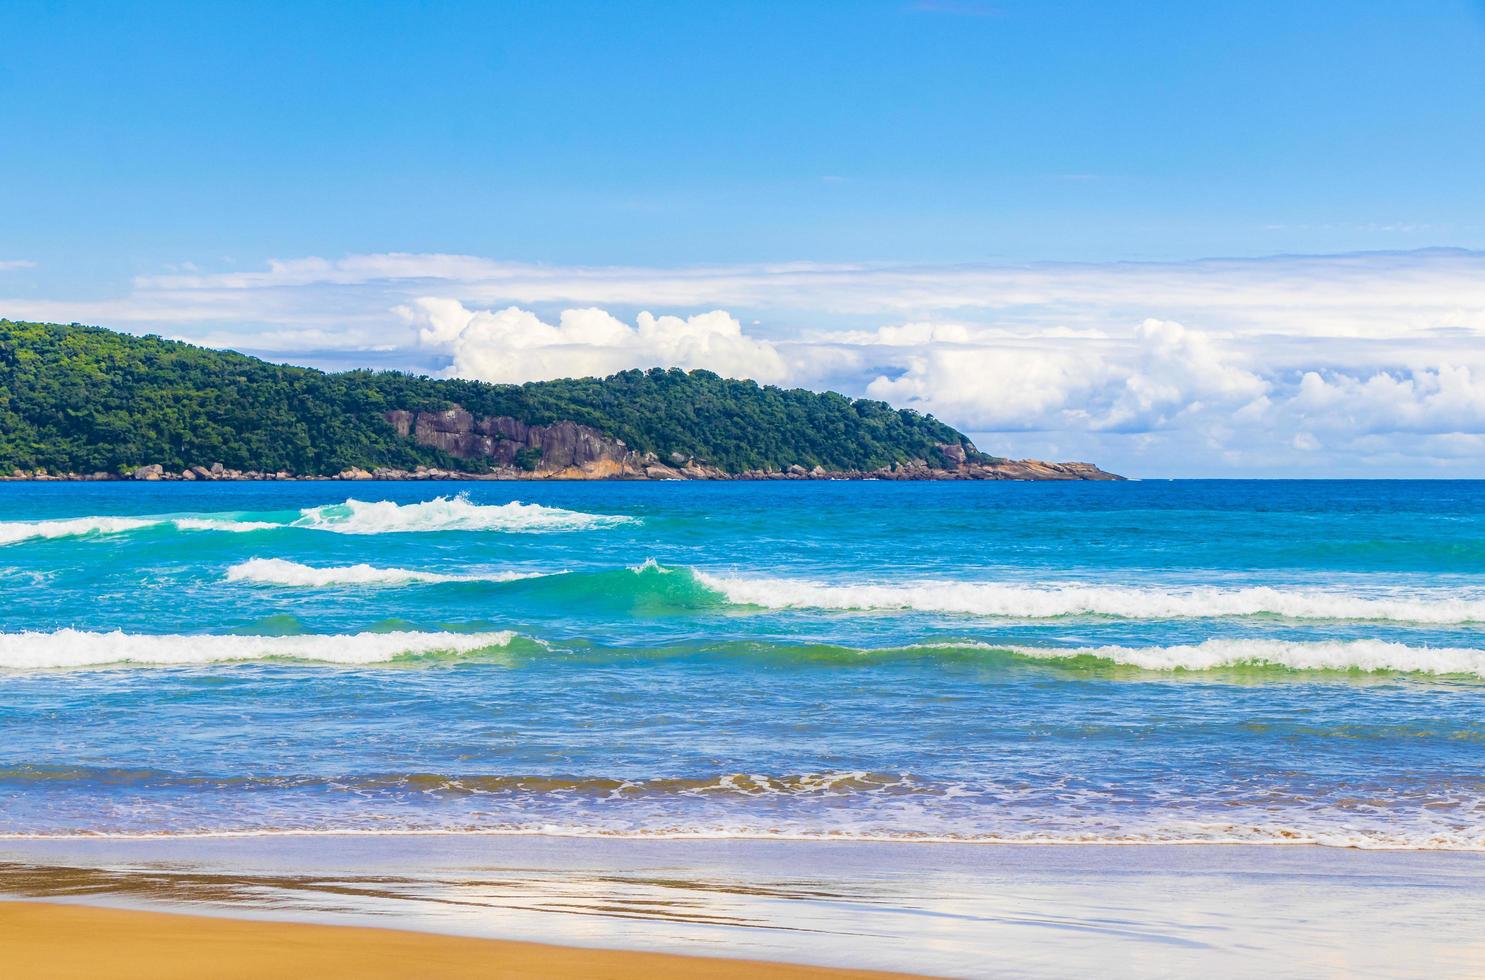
(1187, 661)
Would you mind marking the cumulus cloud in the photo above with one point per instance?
(1449, 400)
(1162, 372)
(1177, 372)
(990, 389)
(1279, 365)
(514, 345)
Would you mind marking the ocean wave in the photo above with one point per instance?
(1315, 655)
(220, 524)
(77, 527)
(1192, 833)
(457, 513)
(829, 806)
(613, 788)
(1215, 833)
(77, 648)
(278, 571)
(12, 532)
(1055, 601)
(1255, 656)
(351, 517)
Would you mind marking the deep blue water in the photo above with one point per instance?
(1144, 661)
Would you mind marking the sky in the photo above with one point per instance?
(1220, 239)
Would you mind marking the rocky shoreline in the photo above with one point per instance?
(1016, 469)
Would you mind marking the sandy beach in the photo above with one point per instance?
(59, 942)
(471, 905)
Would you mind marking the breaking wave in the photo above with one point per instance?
(457, 513)
(1331, 655)
(841, 805)
(1254, 657)
(77, 648)
(218, 524)
(14, 531)
(278, 571)
(351, 517)
(1053, 601)
(77, 527)
(741, 785)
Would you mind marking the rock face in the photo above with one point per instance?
(560, 450)
(567, 450)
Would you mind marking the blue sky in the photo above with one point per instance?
(182, 167)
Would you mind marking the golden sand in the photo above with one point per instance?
(61, 942)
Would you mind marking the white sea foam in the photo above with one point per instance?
(14, 531)
(76, 648)
(448, 514)
(218, 524)
(1051, 601)
(76, 527)
(1186, 833)
(351, 517)
(1369, 655)
(277, 571)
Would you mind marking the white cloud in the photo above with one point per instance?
(1286, 364)
(514, 345)
(1178, 372)
(991, 389)
(1356, 296)
(1449, 400)
(7, 265)
(1159, 373)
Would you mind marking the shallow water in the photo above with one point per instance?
(1188, 661)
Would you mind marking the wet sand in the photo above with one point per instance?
(953, 910)
(61, 942)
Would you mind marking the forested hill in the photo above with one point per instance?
(83, 399)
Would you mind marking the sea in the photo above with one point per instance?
(1187, 662)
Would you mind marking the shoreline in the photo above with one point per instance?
(1055, 473)
(950, 910)
(60, 940)
(662, 837)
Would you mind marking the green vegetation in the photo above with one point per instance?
(83, 399)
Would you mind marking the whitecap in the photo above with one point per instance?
(1052, 601)
(278, 571)
(12, 532)
(1344, 655)
(77, 648)
(218, 524)
(448, 514)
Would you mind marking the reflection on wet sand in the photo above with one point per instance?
(950, 910)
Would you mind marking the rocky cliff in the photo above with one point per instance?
(569, 451)
(562, 449)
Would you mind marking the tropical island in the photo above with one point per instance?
(81, 402)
